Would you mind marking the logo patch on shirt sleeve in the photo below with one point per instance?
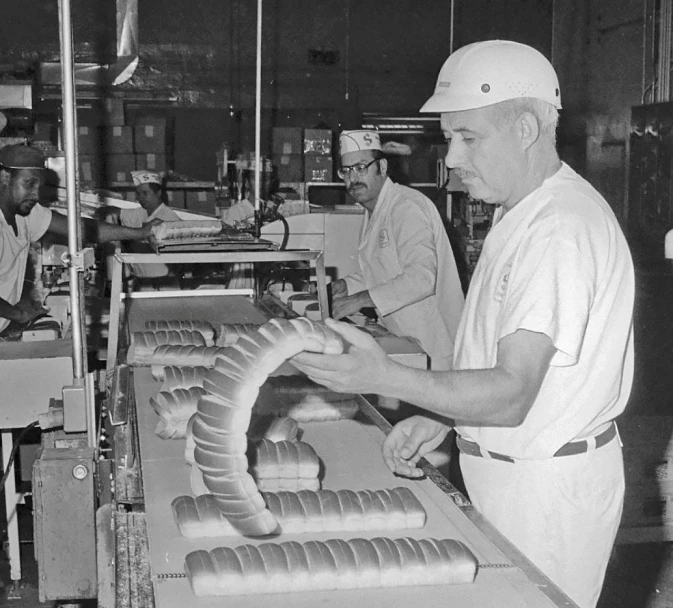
(384, 241)
(502, 283)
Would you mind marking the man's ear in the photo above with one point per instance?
(383, 164)
(5, 177)
(529, 129)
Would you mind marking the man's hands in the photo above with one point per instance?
(363, 368)
(409, 441)
(147, 228)
(26, 311)
(349, 305)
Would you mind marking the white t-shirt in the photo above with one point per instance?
(135, 218)
(14, 250)
(557, 264)
(407, 265)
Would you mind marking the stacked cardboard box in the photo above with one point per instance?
(109, 148)
(286, 153)
(318, 165)
(200, 201)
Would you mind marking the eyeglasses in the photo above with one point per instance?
(360, 170)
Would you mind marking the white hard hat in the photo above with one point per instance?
(484, 73)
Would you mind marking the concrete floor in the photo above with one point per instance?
(639, 575)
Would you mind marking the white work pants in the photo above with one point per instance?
(561, 513)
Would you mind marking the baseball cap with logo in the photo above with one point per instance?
(21, 157)
(359, 139)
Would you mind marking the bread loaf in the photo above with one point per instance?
(174, 409)
(202, 327)
(144, 343)
(184, 356)
(333, 564)
(185, 229)
(228, 333)
(305, 512)
(182, 377)
(223, 416)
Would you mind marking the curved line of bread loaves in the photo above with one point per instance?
(333, 564)
(223, 416)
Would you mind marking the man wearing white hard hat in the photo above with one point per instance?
(543, 362)
(148, 185)
(407, 269)
(24, 221)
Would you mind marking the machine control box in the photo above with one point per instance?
(64, 523)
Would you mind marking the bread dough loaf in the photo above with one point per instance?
(186, 229)
(306, 512)
(261, 427)
(223, 416)
(174, 409)
(228, 333)
(202, 327)
(175, 377)
(184, 356)
(333, 564)
(144, 343)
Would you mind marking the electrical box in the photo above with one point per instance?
(64, 523)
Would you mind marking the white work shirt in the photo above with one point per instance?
(135, 218)
(408, 267)
(14, 249)
(557, 264)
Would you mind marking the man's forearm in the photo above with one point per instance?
(483, 396)
(104, 232)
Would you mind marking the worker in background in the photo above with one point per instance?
(544, 356)
(23, 221)
(407, 270)
(149, 192)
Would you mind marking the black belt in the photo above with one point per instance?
(569, 449)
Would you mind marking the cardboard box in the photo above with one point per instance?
(118, 167)
(286, 140)
(318, 141)
(106, 112)
(88, 140)
(150, 138)
(289, 167)
(89, 169)
(201, 201)
(151, 162)
(175, 198)
(117, 140)
(318, 168)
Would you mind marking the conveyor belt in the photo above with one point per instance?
(351, 453)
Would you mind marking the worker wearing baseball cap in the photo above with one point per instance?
(23, 221)
(407, 271)
(543, 362)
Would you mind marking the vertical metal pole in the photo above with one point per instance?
(72, 195)
(258, 118)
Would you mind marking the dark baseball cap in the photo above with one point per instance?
(21, 157)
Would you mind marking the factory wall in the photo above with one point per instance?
(326, 61)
